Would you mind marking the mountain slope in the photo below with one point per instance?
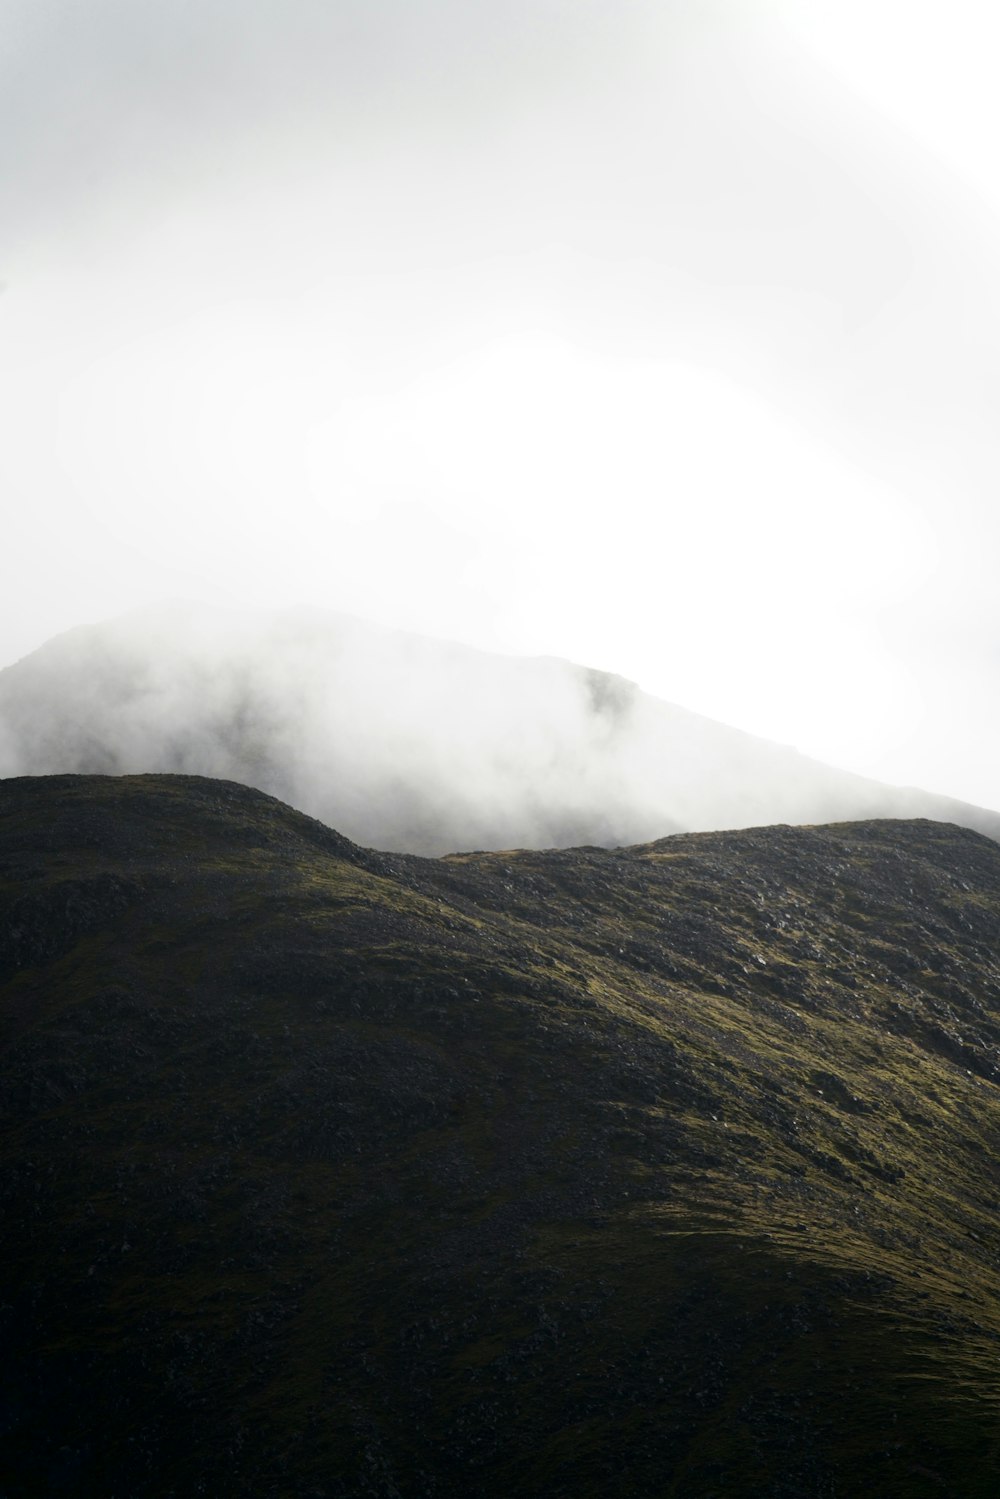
(409, 743)
(670, 1170)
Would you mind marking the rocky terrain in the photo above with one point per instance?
(666, 1170)
(409, 743)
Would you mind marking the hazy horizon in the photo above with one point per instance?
(661, 339)
(406, 743)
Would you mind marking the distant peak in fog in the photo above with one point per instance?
(404, 742)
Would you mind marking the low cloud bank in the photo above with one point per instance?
(411, 744)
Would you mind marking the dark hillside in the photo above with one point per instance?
(664, 1171)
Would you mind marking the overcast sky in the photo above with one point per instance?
(663, 336)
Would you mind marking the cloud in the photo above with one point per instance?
(404, 742)
(230, 230)
(113, 107)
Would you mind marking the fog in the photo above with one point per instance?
(660, 337)
(407, 743)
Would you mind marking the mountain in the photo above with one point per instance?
(408, 743)
(669, 1170)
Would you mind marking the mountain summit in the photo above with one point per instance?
(409, 743)
(665, 1170)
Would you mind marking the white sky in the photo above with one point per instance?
(665, 337)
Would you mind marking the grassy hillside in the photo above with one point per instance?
(667, 1171)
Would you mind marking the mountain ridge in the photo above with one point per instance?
(668, 1169)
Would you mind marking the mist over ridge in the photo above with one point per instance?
(408, 743)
